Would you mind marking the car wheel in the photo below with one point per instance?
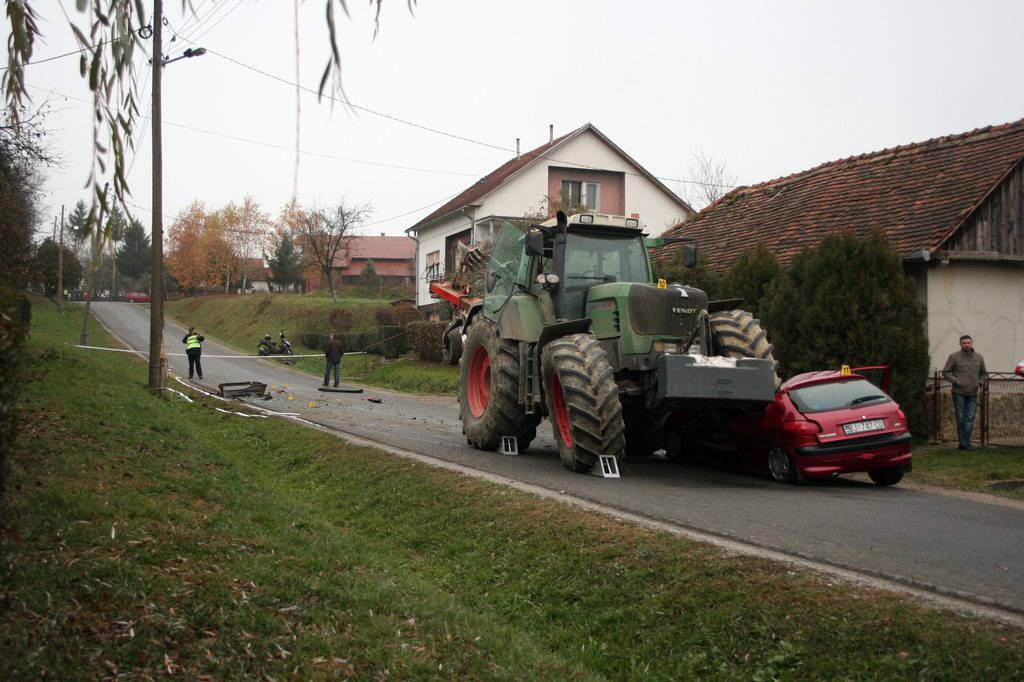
(886, 476)
(780, 466)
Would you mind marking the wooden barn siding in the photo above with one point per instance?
(998, 224)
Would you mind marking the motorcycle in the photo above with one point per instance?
(267, 347)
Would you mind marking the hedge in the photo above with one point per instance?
(424, 339)
(15, 316)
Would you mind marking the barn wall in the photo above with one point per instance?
(998, 223)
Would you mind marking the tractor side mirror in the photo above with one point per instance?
(690, 255)
(534, 243)
(490, 279)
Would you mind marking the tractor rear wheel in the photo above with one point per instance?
(583, 401)
(738, 334)
(489, 391)
(451, 343)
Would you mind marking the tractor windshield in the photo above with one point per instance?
(596, 259)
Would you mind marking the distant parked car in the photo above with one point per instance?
(135, 297)
(823, 424)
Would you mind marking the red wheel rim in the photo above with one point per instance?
(561, 411)
(478, 392)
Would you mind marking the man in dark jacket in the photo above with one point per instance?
(194, 350)
(965, 369)
(332, 354)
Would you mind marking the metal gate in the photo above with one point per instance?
(1000, 418)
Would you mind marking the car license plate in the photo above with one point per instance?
(863, 427)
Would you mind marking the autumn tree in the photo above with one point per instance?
(325, 236)
(185, 259)
(247, 230)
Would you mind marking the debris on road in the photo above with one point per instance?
(374, 400)
(238, 389)
(335, 389)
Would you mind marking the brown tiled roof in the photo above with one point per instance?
(377, 248)
(490, 182)
(917, 194)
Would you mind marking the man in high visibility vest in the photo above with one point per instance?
(194, 350)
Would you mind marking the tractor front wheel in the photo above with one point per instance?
(489, 391)
(738, 334)
(583, 401)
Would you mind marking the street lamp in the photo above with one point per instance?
(157, 371)
(190, 52)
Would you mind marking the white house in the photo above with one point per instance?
(583, 168)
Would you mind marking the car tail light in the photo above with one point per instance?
(803, 428)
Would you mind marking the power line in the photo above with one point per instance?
(271, 145)
(396, 119)
(353, 105)
(222, 18)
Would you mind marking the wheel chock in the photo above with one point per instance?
(509, 446)
(607, 466)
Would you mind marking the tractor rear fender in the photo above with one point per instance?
(470, 316)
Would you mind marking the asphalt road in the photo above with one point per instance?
(968, 548)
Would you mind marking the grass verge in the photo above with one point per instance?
(983, 470)
(147, 536)
(240, 321)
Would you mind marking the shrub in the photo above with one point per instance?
(400, 315)
(424, 339)
(15, 315)
(701, 277)
(340, 318)
(752, 277)
(849, 302)
(390, 341)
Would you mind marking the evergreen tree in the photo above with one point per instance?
(286, 263)
(44, 266)
(849, 302)
(134, 256)
(702, 277)
(752, 277)
(78, 222)
(368, 278)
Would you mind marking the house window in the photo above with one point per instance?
(585, 194)
(433, 265)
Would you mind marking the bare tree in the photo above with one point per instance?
(325, 235)
(709, 180)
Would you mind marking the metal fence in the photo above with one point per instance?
(1000, 417)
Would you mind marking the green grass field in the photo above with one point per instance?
(145, 536)
(240, 321)
(973, 471)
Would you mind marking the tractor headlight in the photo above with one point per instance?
(667, 347)
(547, 278)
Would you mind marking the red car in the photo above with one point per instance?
(822, 424)
(134, 297)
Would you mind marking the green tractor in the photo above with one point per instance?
(573, 327)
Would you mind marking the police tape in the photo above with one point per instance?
(204, 355)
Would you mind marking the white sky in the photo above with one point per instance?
(770, 87)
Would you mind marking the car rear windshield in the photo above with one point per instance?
(837, 395)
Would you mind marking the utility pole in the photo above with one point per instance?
(156, 286)
(60, 263)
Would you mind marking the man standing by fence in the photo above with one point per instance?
(333, 353)
(965, 369)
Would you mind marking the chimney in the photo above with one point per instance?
(382, 234)
(517, 147)
(551, 133)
